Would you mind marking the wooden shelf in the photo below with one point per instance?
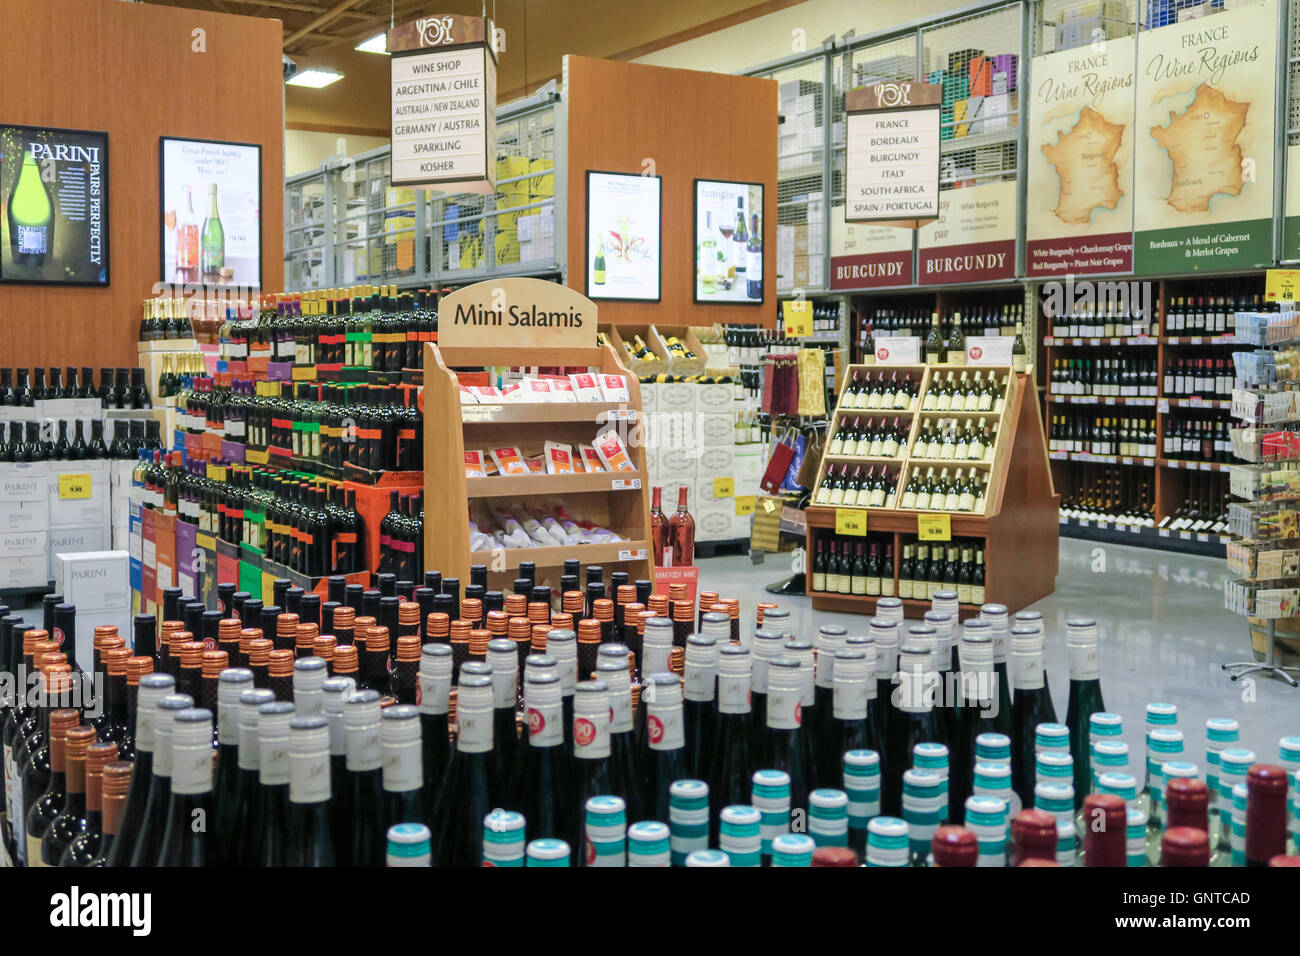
(531, 412)
(866, 604)
(615, 552)
(864, 459)
(450, 428)
(1101, 459)
(1102, 400)
(515, 486)
(1188, 465)
(952, 462)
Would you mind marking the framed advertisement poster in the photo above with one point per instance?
(211, 212)
(624, 220)
(728, 248)
(53, 205)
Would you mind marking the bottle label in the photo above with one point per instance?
(1085, 662)
(434, 694)
(273, 762)
(591, 736)
(784, 709)
(402, 766)
(699, 684)
(620, 712)
(34, 851)
(733, 695)
(1028, 671)
(851, 700)
(31, 240)
(191, 769)
(309, 779)
(365, 750)
(754, 265)
(664, 728)
(544, 726)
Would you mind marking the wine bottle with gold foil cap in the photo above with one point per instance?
(44, 781)
(471, 611)
(537, 643)
(117, 782)
(408, 620)
(173, 663)
(152, 689)
(323, 647)
(85, 846)
(246, 637)
(259, 661)
(184, 843)
(406, 669)
(211, 664)
(137, 668)
(70, 818)
(152, 827)
(344, 624)
(603, 615)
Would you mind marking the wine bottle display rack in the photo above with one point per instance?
(618, 501)
(1018, 516)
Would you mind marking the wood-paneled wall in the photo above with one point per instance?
(690, 124)
(135, 71)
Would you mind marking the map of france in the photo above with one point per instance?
(1202, 145)
(1085, 165)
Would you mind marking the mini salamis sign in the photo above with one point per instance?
(892, 140)
(517, 312)
(444, 91)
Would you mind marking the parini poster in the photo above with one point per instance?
(1204, 145)
(1079, 164)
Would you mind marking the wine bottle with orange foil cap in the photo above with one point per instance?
(280, 673)
(184, 843)
(190, 677)
(70, 811)
(375, 658)
(117, 783)
(406, 669)
(309, 840)
(40, 770)
(148, 840)
(259, 661)
(228, 639)
(304, 638)
(137, 668)
(346, 664)
(85, 845)
(466, 797)
(115, 728)
(152, 688)
(231, 683)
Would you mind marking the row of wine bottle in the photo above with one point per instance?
(36, 441)
(1104, 378)
(1081, 433)
(118, 388)
(964, 492)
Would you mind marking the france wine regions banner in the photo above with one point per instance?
(1206, 93)
(1079, 164)
(53, 205)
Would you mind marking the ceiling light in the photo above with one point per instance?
(316, 78)
(376, 44)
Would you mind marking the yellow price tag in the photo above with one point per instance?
(1282, 285)
(745, 504)
(216, 472)
(934, 527)
(723, 487)
(798, 317)
(72, 487)
(850, 521)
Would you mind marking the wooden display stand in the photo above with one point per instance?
(1019, 523)
(618, 501)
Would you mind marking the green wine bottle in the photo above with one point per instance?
(212, 240)
(31, 216)
(1085, 699)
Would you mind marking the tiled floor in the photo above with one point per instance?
(1163, 629)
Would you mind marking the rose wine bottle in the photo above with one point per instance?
(659, 528)
(681, 534)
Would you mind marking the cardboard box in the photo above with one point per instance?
(713, 524)
(79, 494)
(704, 496)
(72, 541)
(716, 461)
(24, 481)
(119, 618)
(24, 516)
(677, 464)
(23, 571)
(649, 397)
(94, 580)
(714, 429)
(676, 397)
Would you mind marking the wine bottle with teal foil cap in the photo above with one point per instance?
(547, 852)
(1085, 698)
(699, 704)
(1220, 734)
(664, 759)
(688, 819)
(465, 799)
(605, 832)
(409, 844)
(733, 757)
(986, 817)
(887, 842)
(787, 748)
(1234, 765)
(503, 839)
(740, 835)
(862, 784)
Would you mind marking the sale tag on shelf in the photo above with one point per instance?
(745, 504)
(936, 527)
(1281, 285)
(688, 575)
(850, 521)
(723, 487)
(798, 317)
(72, 487)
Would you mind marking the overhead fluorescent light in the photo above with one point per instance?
(316, 78)
(376, 44)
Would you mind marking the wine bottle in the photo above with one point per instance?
(67, 793)
(465, 799)
(591, 751)
(117, 781)
(624, 771)
(212, 240)
(699, 709)
(89, 841)
(787, 747)
(1033, 706)
(232, 683)
(31, 218)
(664, 760)
(153, 824)
(265, 846)
(359, 796)
(184, 843)
(152, 689)
(309, 840)
(1266, 786)
(823, 726)
(544, 797)
(1085, 698)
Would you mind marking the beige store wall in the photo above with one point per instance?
(773, 36)
(305, 150)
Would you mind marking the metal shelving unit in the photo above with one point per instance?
(346, 224)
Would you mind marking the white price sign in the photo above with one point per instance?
(990, 350)
(898, 350)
